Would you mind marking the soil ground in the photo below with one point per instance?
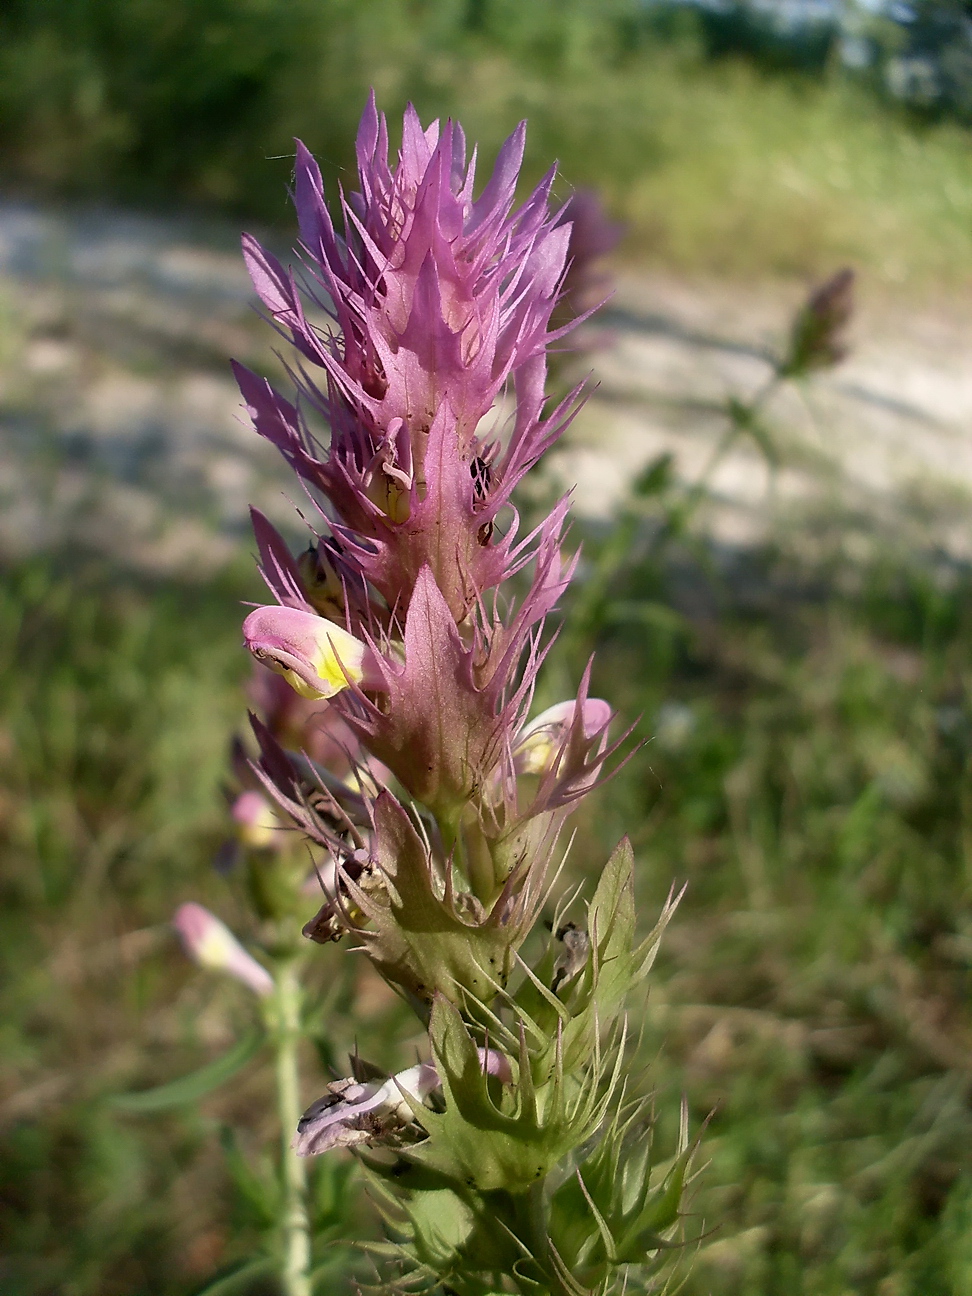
(121, 431)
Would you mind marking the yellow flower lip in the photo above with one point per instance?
(316, 657)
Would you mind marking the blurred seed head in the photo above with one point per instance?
(818, 333)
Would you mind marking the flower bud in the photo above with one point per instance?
(818, 332)
(258, 827)
(390, 490)
(388, 479)
(321, 581)
(316, 657)
(540, 743)
(211, 944)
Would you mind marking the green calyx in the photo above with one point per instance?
(531, 1166)
(616, 1208)
(493, 1135)
(422, 935)
(571, 1018)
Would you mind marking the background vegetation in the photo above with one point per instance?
(807, 774)
(722, 149)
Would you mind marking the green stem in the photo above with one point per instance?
(540, 1239)
(744, 413)
(525, 1216)
(295, 1270)
(476, 865)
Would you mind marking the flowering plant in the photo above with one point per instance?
(510, 1159)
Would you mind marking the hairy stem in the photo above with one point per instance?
(295, 1269)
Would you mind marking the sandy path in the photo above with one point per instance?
(120, 428)
(887, 434)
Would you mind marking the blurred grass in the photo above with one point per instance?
(715, 164)
(113, 730)
(117, 700)
(808, 774)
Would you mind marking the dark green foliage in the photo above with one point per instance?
(739, 28)
(194, 98)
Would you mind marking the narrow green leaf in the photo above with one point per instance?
(260, 1191)
(236, 1282)
(646, 612)
(663, 1212)
(607, 1240)
(383, 1250)
(612, 908)
(187, 1089)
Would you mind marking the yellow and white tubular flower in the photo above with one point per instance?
(258, 826)
(540, 742)
(211, 944)
(317, 657)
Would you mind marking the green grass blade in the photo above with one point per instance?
(187, 1089)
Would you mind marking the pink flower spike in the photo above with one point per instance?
(211, 944)
(315, 656)
(541, 742)
(440, 302)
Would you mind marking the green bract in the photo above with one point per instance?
(548, 1175)
(422, 935)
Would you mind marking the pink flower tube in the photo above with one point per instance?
(211, 944)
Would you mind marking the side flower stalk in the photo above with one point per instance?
(280, 880)
(508, 1159)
